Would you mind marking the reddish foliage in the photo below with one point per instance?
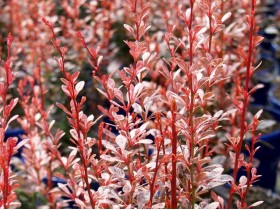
(167, 114)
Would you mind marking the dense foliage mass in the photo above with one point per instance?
(168, 83)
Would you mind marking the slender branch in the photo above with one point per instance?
(174, 151)
(245, 103)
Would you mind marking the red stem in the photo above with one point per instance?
(165, 167)
(245, 103)
(174, 148)
(6, 181)
(155, 175)
(2, 144)
(243, 199)
(191, 109)
(81, 148)
(66, 76)
(41, 87)
(210, 27)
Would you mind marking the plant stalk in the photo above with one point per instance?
(245, 103)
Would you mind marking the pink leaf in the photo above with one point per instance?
(108, 158)
(108, 145)
(243, 180)
(158, 206)
(226, 16)
(12, 119)
(119, 173)
(79, 86)
(21, 143)
(65, 90)
(256, 204)
(121, 141)
(129, 28)
(145, 141)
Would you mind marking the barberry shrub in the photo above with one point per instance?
(11, 145)
(171, 123)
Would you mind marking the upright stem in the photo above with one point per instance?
(210, 27)
(245, 103)
(192, 182)
(155, 175)
(254, 140)
(41, 86)
(222, 33)
(192, 152)
(162, 133)
(50, 185)
(73, 97)
(5, 193)
(4, 120)
(174, 148)
(81, 148)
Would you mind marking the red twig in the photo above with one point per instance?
(243, 127)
